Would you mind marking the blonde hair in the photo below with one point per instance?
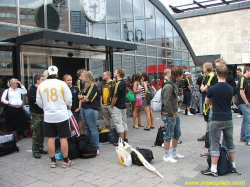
(45, 74)
(221, 61)
(65, 77)
(88, 78)
(13, 80)
(208, 66)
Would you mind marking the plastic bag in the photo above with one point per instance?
(58, 154)
(124, 156)
(156, 102)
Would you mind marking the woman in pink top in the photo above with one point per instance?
(137, 89)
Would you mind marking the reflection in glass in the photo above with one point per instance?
(183, 46)
(185, 56)
(185, 63)
(177, 62)
(161, 52)
(99, 29)
(113, 19)
(25, 30)
(61, 7)
(129, 65)
(7, 31)
(141, 50)
(139, 21)
(152, 70)
(160, 40)
(127, 21)
(177, 54)
(170, 53)
(141, 63)
(8, 11)
(97, 67)
(169, 34)
(150, 17)
(177, 40)
(78, 22)
(151, 51)
(117, 59)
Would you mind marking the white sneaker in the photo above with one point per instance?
(189, 114)
(248, 143)
(239, 116)
(178, 156)
(97, 152)
(183, 111)
(169, 159)
(179, 110)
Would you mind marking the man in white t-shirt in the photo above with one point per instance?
(55, 98)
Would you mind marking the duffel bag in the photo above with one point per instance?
(146, 153)
(8, 147)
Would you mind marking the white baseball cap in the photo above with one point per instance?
(187, 73)
(52, 70)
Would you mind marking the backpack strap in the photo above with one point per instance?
(174, 89)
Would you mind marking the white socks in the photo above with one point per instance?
(233, 163)
(214, 168)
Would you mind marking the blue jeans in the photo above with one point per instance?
(172, 127)
(200, 105)
(245, 126)
(89, 119)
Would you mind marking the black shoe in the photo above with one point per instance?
(203, 138)
(36, 155)
(209, 172)
(43, 152)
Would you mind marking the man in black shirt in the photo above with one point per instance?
(243, 103)
(36, 119)
(118, 105)
(199, 82)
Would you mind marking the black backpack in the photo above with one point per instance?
(160, 135)
(73, 151)
(224, 165)
(86, 149)
(146, 153)
(113, 135)
(8, 147)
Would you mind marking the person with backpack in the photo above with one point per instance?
(220, 96)
(169, 115)
(146, 104)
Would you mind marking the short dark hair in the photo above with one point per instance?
(176, 72)
(239, 69)
(121, 72)
(246, 68)
(37, 77)
(222, 70)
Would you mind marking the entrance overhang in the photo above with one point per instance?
(73, 41)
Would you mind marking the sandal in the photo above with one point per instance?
(152, 127)
(53, 164)
(115, 144)
(147, 129)
(136, 127)
(68, 164)
(125, 140)
(140, 125)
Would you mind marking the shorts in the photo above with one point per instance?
(187, 98)
(146, 103)
(138, 102)
(61, 129)
(120, 119)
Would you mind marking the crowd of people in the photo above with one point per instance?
(51, 99)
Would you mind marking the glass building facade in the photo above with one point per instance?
(160, 43)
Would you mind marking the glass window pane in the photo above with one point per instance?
(113, 16)
(62, 10)
(141, 50)
(183, 46)
(129, 65)
(97, 67)
(150, 17)
(7, 32)
(160, 40)
(99, 29)
(170, 53)
(177, 40)
(139, 20)
(6, 65)
(141, 64)
(127, 20)
(177, 62)
(177, 54)
(117, 61)
(161, 52)
(78, 23)
(8, 11)
(151, 51)
(169, 34)
(24, 30)
(152, 70)
(185, 56)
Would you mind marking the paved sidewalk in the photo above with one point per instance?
(21, 169)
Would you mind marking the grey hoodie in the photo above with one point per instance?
(169, 97)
